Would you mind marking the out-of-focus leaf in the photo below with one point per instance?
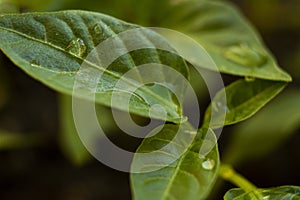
(11, 141)
(170, 172)
(7, 6)
(135, 11)
(243, 100)
(52, 46)
(227, 36)
(36, 5)
(70, 142)
(278, 193)
(266, 131)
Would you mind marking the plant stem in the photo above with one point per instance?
(228, 173)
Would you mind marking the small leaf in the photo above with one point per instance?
(239, 101)
(172, 168)
(58, 49)
(267, 130)
(230, 40)
(278, 193)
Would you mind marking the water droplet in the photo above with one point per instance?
(218, 106)
(191, 132)
(208, 164)
(98, 29)
(246, 55)
(249, 79)
(266, 197)
(34, 64)
(215, 107)
(77, 47)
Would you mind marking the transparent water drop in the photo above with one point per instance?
(77, 47)
(208, 164)
(249, 79)
(191, 132)
(246, 55)
(266, 197)
(218, 107)
(215, 106)
(98, 29)
(34, 64)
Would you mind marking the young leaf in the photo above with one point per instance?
(243, 100)
(267, 130)
(172, 168)
(52, 47)
(230, 40)
(278, 193)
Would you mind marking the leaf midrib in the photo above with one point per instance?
(177, 170)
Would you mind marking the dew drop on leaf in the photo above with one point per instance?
(34, 64)
(266, 197)
(208, 164)
(191, 132)
(219, 107)
(249, 79)
(246, 55)
(76, 47)
(98, 29)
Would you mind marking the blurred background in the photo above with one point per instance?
(42, 157)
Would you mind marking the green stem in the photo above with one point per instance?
(229, 174)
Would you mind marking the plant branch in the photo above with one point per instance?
(229, 174)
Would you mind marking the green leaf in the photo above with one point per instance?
(141, 12)
(70, 142)
(230, 40)
(267, 130)
(278, 193)
(172, 168)
(51, 47)
(35, 4)
(7, 6)
(243, 99)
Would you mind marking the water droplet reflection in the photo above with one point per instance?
(208, 164)
(98, 29)
(249, 79)
(76, 47)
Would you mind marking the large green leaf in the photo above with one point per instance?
(227, 36)
(243, 99)
(278, 193)
(172, 168)
(267, 130)
(51, 47)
